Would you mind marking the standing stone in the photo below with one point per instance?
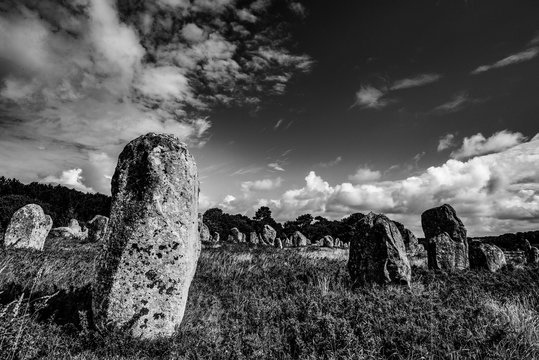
(268, 235)
(74, 226)
(204, 232)
(287, 242)
(216, 237)
(28, 228)
(533, 255)
(298, 239)
(278, 243)
(410, 241)
(97, 228)
(377, 253)
(151, 246)
(253, 238)
(439, 221)
(338, 242)
(486, 256)
(327, 241)
(236, 236)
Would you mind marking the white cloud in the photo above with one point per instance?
(446, 142)
(370, 97)
(192, 33)
(364, 174)
(166, 82)
(457, 103)
(71, 178)
(275, 166)
(261, 185)
(519, 57)
(277, 124)
(246, 15)
(479, 145)
(419, 80)
(331, 163)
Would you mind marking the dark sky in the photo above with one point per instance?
(312, 106)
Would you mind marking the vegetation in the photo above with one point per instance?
(264, 303)
(61, 203)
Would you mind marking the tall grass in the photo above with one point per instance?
(271, 304)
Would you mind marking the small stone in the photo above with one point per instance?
(28, 228)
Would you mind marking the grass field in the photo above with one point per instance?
(275, 304)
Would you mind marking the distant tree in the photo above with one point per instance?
(263, 213)
(304, 220)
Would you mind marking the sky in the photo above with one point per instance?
(302, 106)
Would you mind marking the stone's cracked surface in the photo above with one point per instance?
(440, 225)
(268, 235)
(377, 253)
(28, 228)
(298, 239)
(151, 245)
(486, 256)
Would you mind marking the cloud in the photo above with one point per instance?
(446, 142)
(519, 57)
(70, 178)
(479, 145)
(83, 78)
(370, 97)
(331, 163)
(457, 103)
(364, 174)
(275, 166)
(277, 124)
(261, 185)
(419, 80)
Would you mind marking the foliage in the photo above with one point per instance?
(61, 203)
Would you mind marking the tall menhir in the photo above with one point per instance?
(151, 246)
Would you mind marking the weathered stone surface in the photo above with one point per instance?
(377, 253)
(327, 241)
(278, 243)
(298, 239)
(338, 243)
(216, 237)
(410, 240)
(151, 245)
(236, 236)
(28, 228)
(97, 228)
(443, 220)
(486, 256)
(533, 255)
(268, 235)
(253, 238)
(287, 242)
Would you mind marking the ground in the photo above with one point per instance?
(264, 303)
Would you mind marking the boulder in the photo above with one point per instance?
(97, 228)
(486, 256)
(28, 228)
(268, 235)
(216, 237)
(151, 246)
(327, 241)
(204, 232)
(287, 242)
(440, 225)
(74, 225)
(298, 239)
(253, 238)
(533, 255)
(236, 236)
(410, 241)
(278, 243)
(377, 253)
(338, 243)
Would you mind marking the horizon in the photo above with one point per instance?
(298, 106)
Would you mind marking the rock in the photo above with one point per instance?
(253, 238)
(338, 243)
(377, 253)
(410, 241)
(278, 243)
(298, 239)
(28, 228)
(151, 246)
(268, 235)
(287, 242)
(533, 255)
(346, 245)
(327, 241)
(216, 237)
(97, 228)
(439, 221)
(236, 236)
(486, 256)
(204, 232)
(74, 225)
